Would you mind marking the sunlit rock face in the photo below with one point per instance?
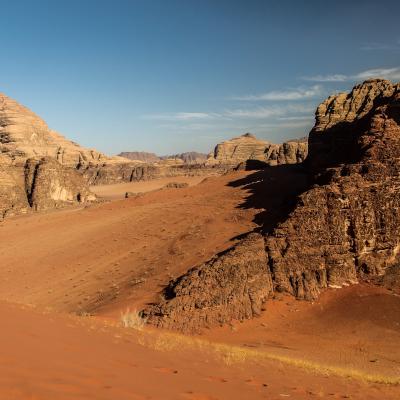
(248, 147)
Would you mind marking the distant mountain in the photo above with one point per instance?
(190, 157)
(140, 156)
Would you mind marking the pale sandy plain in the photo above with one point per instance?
(66, 276)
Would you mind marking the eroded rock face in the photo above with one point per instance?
(345, 228)
(39, 167)
(24, 135)
(13, 199)
(49, 184)
(248, 147)
(233, 285)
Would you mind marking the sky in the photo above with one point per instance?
(170, 76)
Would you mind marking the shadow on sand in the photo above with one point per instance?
(273, 191)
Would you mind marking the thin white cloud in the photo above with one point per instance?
(289, 124)
(268, 112)
(182, 116)
(326, 78)
(296, 118)
(284, 95)
(230, 114)
(377, 46)
(386, 73)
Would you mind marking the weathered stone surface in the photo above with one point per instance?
(13, 199)
(49, 184)
(344, 228)
(248, 147)
(24, 135)
(233, 285)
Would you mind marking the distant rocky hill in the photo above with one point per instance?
(142, 156)
(248, 147)
(343, 226)
(191, 157)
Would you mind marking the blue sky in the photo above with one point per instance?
(171, 76)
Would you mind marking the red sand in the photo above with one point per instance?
(108, 256)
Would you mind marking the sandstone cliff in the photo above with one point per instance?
(39, 168)
(248, 147)
(24, 135)
(342, 229)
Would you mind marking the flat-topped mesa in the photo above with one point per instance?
(342, 229)
(247, 147)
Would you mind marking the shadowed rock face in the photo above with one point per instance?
(248, 147)
(342, 229)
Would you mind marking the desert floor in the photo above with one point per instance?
(66, 276)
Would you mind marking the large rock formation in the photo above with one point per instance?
(24, 135)
(343, 229)
(248, 147)
(39, 169)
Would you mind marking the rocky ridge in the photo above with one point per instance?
(190, 157)
(343, 228)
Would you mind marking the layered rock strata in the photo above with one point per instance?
(343, 229)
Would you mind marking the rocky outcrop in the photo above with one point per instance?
(233, 285)
(48, 184)
(345, 228)
(127, 172)
(248, 147)
(13, 198)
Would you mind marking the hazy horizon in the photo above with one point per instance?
(177, 76)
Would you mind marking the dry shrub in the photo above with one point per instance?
(133, 319)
